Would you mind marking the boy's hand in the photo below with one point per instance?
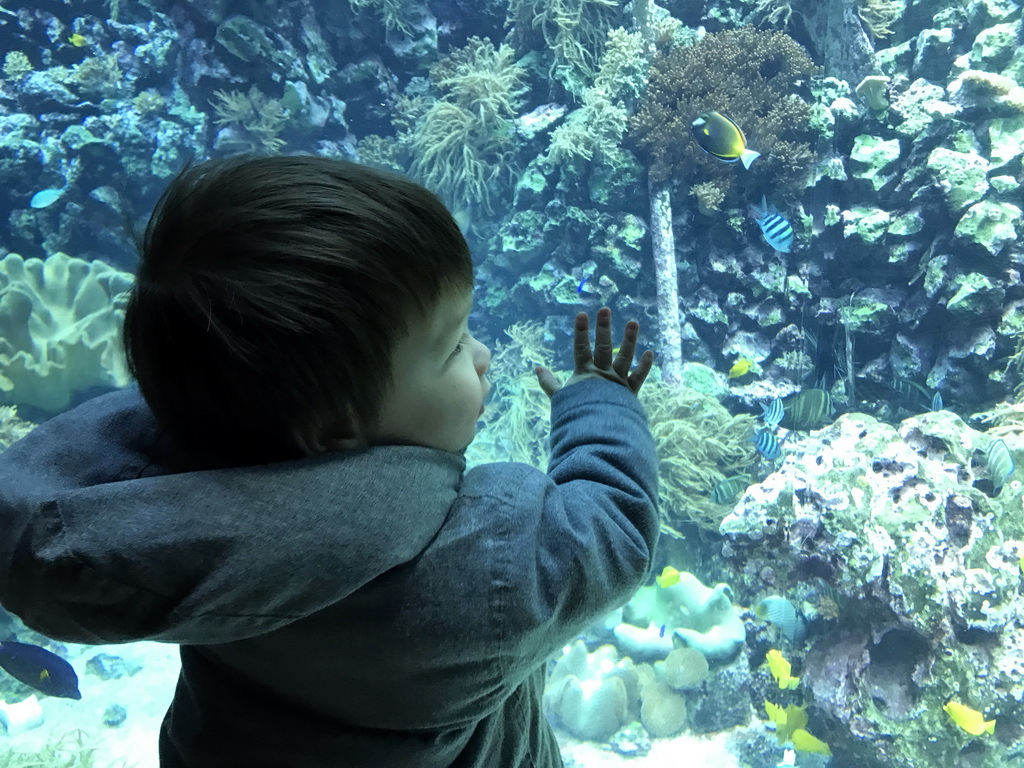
(600, 364)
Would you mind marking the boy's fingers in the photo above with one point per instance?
(603, 338)
(548, 383)
(643, 367)
(581, 342)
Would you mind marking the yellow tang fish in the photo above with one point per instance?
(781, 669)
(668, 577)
(741, 367)
(971, 720)
(720, 137)
(78, 40)
(807, 742)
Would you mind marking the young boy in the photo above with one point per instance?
(284, 493)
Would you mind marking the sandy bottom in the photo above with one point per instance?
(146, 695)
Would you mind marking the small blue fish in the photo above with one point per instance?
(777, 232)
(661, 632)
(937, 402)
(767, 444)
(579, 288)
(40, 669)
(45, 198)
(773, 413)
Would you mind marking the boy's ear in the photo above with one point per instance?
(321, 439)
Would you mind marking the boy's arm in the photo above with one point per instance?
(576, 543)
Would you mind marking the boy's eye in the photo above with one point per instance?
(458, 347)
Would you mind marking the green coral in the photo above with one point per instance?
(96, 76)
(462, 146)
(71, 750)
(595, 130)
(699, 444)
(754, 77)
(16, 65)
(393, 13)
(260, 117)
(60, 326)
(516, 423)
(573, 31)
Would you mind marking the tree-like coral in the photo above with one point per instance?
(260, 117)
(393, 13)
(597, 127)
(753, 76)
(573, 30)
(699, 444)
(463, 143)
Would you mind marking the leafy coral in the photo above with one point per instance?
(699, 444)
(516, 424)
(753, 76)
(573, 30)
(463, 142)
(260, 117)
(393, 13)
(595, 130)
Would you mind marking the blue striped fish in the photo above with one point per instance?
(773, 413)
(1000, 463)
(777, 232)
(767, 444)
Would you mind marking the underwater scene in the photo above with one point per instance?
(812, 207)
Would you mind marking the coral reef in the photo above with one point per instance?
(462, 145)
(260, 118)
(753, 77)
(904, 540)
(573, 32)
(60, 322)
(700, 443)
(694, 616)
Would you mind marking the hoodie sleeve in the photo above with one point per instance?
(574, 544)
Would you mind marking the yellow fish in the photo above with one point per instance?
(78, 40)
(971, 720)
(806, 742)
(720, 137)
(781, 669)
(741, 367)
(668, 577)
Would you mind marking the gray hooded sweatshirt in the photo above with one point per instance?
(375, 608)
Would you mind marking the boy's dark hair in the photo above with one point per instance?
(270, 294)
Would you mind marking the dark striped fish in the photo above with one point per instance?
(773, 412)
(767, 444)
(727, 491)
(777, 232)
(1000, 463)
(809, 409)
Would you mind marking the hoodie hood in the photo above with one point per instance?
(96, 511)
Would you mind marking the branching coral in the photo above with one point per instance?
(394, 13)
(879, 15)
(260, 117)
(596, 128)
(16, 65)
(699, 444)
(754, 77)
(463, 142)
(573, 30)
(516, 425)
